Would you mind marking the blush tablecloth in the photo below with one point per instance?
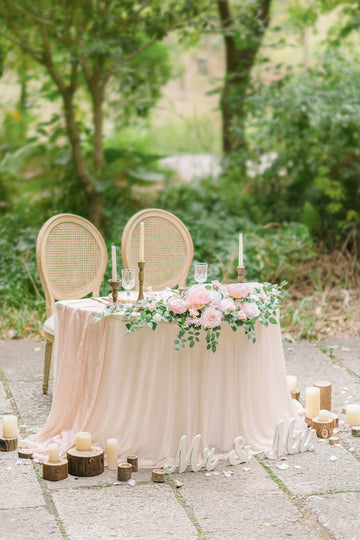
(136, 388)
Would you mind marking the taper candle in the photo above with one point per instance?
(141, 244)
(241, 258)
(113, 260)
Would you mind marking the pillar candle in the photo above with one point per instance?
(53, 451)
(113, 260)
(312, 402)
(241, 259)
(292, 380)
(10, 427)
(324, 415)
(141, 245)
(112, 454)
(353, 414)
(83, 441)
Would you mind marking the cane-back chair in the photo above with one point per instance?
(168, 248)
(71, 259)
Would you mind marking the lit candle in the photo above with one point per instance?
(312, 402)
(241, 259)
(112, 454)
(323, 416)
(83, 441)
(10, 427)
(353, 415)
(113, 259)
(292, 380)
(53, 451)
(141, 245)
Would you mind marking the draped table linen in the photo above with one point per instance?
(138, 389)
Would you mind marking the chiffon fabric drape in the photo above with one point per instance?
(138, 389)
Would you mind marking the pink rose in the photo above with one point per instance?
(251, 310)
(238, 290)
(194, 312)
(176, 305)
(197, 297)
(211, 318)
(152, 306)
(242, 316)
(227, 305)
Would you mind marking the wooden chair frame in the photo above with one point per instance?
(51, 281)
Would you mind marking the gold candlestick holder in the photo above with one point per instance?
(240, 272)
(115, 285)
(141, 265)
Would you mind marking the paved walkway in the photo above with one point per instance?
(314, 497)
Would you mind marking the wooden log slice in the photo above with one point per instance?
(86, 462)
(325, 394)
(8, 445)
(25, 453)
(324, 430)
(124, 472)
(295, 394)
(355, 431)
(334, 440)
(158, 475)
(133, 460)
(55, 470)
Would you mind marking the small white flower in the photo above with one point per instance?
(135, 315)
(157, 318)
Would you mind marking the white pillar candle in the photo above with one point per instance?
(10, 427)
(312, 402)
(324, 415)
(113, 261)
(141, 244)
(241, 258)
(112, 454)
(53, 452)
(83, 441)
(292, 380)
(353, 414)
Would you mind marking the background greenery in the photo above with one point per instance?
(293, 189)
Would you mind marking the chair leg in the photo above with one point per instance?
(47, 363)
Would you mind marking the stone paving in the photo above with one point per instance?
(313, 497)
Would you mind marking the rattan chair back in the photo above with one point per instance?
(71, 259)
(168, 248)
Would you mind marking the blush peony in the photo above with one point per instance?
(197, 297)
(238, 290)
(211, 318)
(227, 305)
(176, 305)
(251, 310)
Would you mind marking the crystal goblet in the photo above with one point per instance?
(200, 272)
(128, 282)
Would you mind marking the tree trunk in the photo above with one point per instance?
(239, 62)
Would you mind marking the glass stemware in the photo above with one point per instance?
(128, 282)
(200, 272)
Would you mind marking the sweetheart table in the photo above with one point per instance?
(136, 388)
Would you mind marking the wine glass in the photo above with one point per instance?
(200, 272)
(128, 282)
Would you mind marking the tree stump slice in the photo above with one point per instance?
(86, 462)
(334, 440)
(355, 431)
(55, 470)
(295, 394)
(8, 445)
(124, 472)
(25, 453)
(324, 430)
(158, 475)
(133, 460)
(325, 394)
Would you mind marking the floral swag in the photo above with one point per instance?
(205, 308)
